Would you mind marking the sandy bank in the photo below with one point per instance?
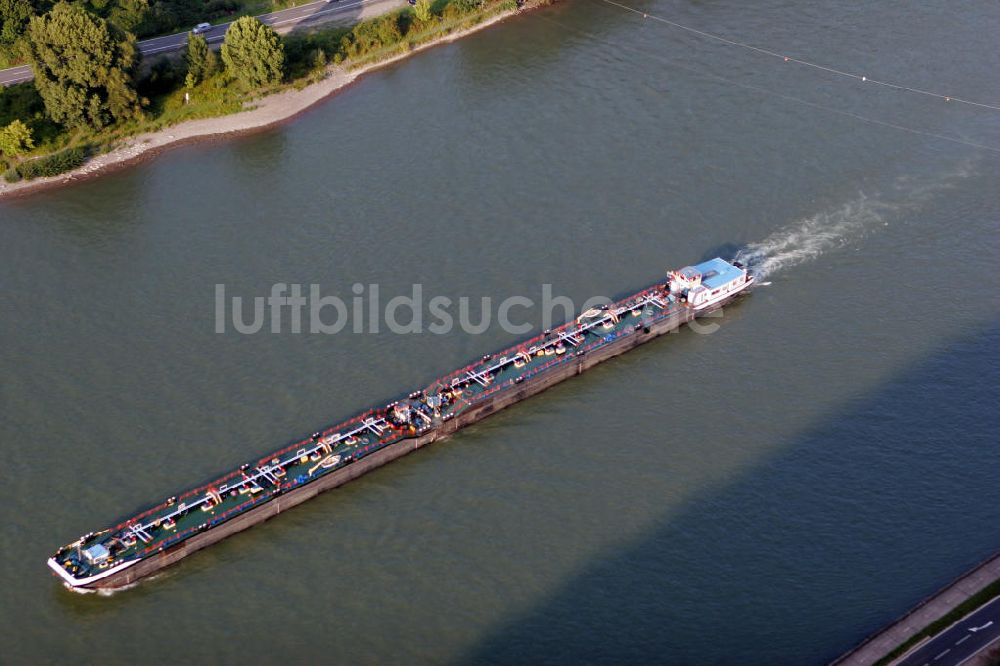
(264, 113)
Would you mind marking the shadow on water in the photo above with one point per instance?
(774, 565)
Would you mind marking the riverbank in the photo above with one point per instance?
(928, 618)
(258, 115)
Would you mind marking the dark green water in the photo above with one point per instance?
(766, 494)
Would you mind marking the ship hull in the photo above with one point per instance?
(290, 498)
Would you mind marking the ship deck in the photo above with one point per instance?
(178, 518)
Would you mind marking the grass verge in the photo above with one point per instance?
(978, 599)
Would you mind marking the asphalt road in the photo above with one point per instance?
(957, 644)
(282, 21)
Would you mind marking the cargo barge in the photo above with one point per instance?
(177, 527)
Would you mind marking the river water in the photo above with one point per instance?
(768, 493)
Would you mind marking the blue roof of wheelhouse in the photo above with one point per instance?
(717, 272)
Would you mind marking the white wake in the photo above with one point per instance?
(806, 239)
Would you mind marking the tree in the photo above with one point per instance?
(129, 15)
(253, 53)
(201, 60)
(15, 139)
(319, 60)
(84, 67)
(14, 15)
(423, 10)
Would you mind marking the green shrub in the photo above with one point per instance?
(16, 139)
(52, 165)
(423, 10)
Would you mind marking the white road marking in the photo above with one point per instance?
(942, 654)
(985, 626)
(320, 13)
(979, 651)
(963, 639)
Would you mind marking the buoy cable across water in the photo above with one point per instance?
(772, 93)
(800, 61)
